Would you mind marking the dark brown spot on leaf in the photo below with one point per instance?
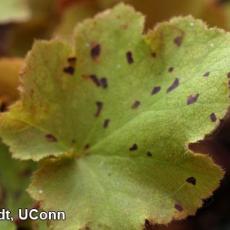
(106, 123)
(51, 138)
(95, 80)
(228, 75)
(148, 225)
(129, 57)
(104, 82)
(154, 55)
(72, 61)
(136, 104)
(178, 207)
(156, 90)
(134, 147)
(170, 69)
(206, 74)
(73, 141)
(99, 105)
(26, 172)
(3, 107)
(86, 228)
(87, 146)
(213, 117)
(178, 40)
(173, 85)
(191, 180)
(69, 70)
(192, 99)
(149, 154)
(95, 51)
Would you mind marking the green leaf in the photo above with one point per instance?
(7, 225)
(14, 179)
(39, 225)
(117, 120)
(14, 11)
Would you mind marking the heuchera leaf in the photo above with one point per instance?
(14, 11)
(14, 179)
(7, 225)
(39, 225)
(117, 113)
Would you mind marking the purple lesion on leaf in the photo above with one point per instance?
(155, 90)
(106, 123)
(95, 51)
(206, 74)
(178, 207)
(129, 57)
(99, 105)
(170, 69)
(134, 147)
(174, 85)
(192, 99)
(69, 70)
(136, 104)
(95, 79)
(178, 40)
(213, 117)
(191, 180)
(149, 154)
(50, 137)
(104, 82)
(72, 61)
